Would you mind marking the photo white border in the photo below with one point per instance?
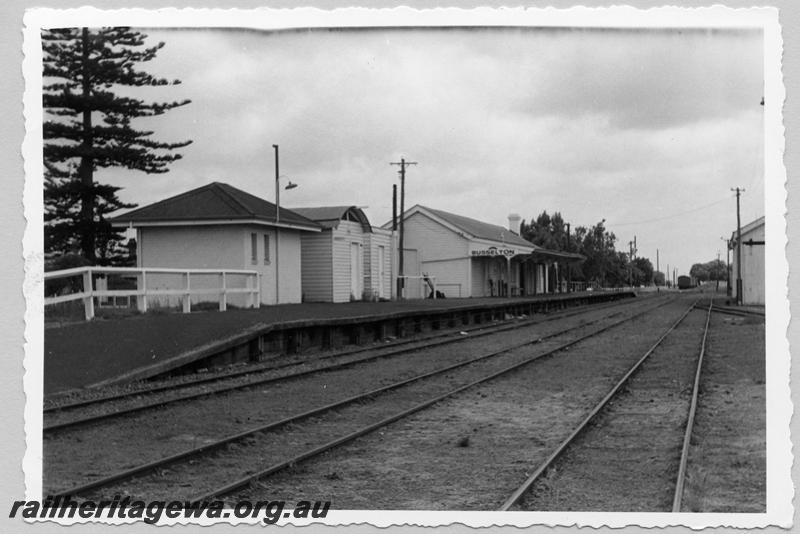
(779, 460)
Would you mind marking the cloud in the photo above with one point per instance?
(623, 124)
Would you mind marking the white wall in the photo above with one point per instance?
(317, 266)
(452, 276)
(225, 247)
(191, 247)
(443, 253)
(347, 233)
(289, 283)
(433, 240)
(379, 238)
(753, 269)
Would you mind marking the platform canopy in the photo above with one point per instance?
(543, 254)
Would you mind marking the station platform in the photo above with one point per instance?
(114, 351)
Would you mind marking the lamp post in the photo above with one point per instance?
(290, 185)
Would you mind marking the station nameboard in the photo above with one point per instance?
(494, 251)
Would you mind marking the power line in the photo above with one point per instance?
(669, 216)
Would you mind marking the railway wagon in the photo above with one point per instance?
(686, 282)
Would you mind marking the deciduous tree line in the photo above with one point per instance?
(604, 264)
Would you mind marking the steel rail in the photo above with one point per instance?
(242, 482)
(128, 473)
(687, 437)
(526, 485)
(506, 325)
(271, 379)
(739, 313)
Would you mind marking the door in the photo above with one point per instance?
(381, 271)
(355, 272)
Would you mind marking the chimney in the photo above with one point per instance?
(513, 222)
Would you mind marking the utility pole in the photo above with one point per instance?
(666, 277)
(657, 269)
(569, 263)
(632, 246)
(716, 271)
(727, 266)
(739, 191)
(403, 164)
(277, 229)
(630, 263)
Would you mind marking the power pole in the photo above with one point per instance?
(277, 230)
(403, 164)
(630, 263)
(569, 263)
(739, 191)
(657, 269)
(727, 266)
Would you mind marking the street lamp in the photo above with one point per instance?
(289, 185)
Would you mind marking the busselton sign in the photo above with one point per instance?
(494, 251)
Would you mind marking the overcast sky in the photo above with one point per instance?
(647, 129)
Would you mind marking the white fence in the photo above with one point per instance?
(94, 285)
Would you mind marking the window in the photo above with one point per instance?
(266, 249)
(253, 249)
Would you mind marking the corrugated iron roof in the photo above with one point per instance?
(480, 229)
(215, 201)
(329, 216)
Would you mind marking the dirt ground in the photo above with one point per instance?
(68, 460)
(727, 460)
(469, 452)
(627, 460)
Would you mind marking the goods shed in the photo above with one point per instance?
(472, 258)
(349, 260)
(218, 226)
(751, 248)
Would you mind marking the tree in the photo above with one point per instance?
(642, 271)
(90, 127)
(712, 270)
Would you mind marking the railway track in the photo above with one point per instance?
(448, 381)
(740, 312)
(90, 411)
(578, 478)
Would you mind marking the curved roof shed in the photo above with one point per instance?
(331, 216)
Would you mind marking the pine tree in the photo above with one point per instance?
(90, 127)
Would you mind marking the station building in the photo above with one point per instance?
(349, 260)
(218, 226)
(753, 266)
(470, 258)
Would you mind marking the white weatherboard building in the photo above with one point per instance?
(753, 267)
(218, 226)
(348, 260)
(471, 258)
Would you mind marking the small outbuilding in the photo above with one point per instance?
(466, 257)
(349, 260)
(218, 226)
(751, 247)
